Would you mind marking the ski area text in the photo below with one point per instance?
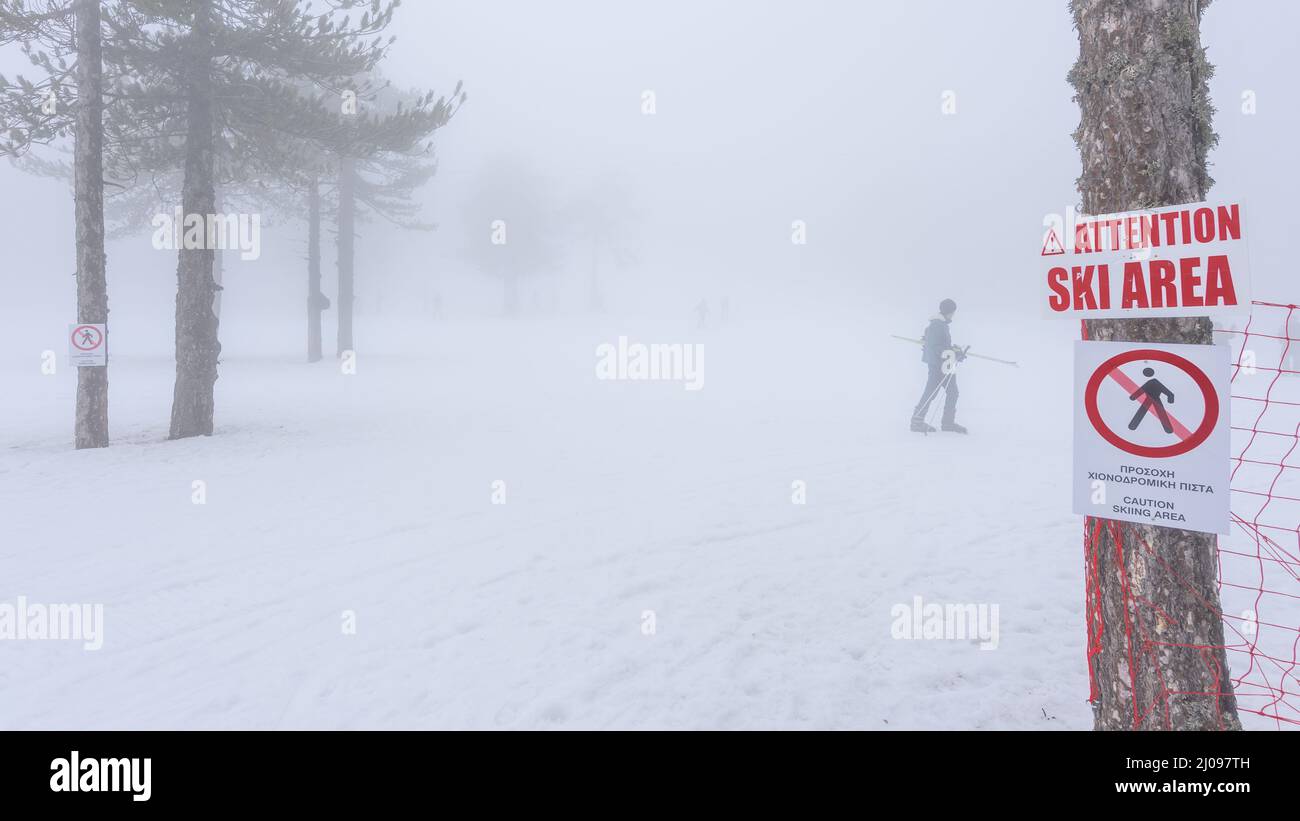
(1185, 261)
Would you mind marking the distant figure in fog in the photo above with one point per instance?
(702, 314)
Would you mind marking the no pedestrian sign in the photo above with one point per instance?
(1185, 260)
(1151, 433)
(88, 345)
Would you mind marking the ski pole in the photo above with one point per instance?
(929, 408)
(976, 355)
(932, 409)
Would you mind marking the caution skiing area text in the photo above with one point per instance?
(1151, 434)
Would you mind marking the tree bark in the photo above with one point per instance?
(1144, 133)
(218, 262)
(347, 229)
(315, 299)
(91, 426)
(197, 348)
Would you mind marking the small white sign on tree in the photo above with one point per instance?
(88, 345)
(1151, 434)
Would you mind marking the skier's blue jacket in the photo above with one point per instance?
(936, 339)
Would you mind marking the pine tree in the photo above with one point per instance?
(235, 68)
(317, 302)
(1144, 134)
(511, 222)
(383, 156)
(91, 427)
(33, 114)
(604, 217)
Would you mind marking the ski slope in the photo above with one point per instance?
(627, 503)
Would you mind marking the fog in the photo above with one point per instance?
(764, 114)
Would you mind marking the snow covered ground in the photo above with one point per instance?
(628, 505)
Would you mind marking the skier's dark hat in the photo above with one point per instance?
(947, 306)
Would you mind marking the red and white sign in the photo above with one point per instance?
(1183, 260)
(1151, 433)
(88, 345)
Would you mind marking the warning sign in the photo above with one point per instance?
(1151, 433)
(1052, 244)
(87, 345)
(1184, 260)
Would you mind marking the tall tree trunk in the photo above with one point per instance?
(347, 228)
(218, 262)
(1143, 137)
(315, 299)
(197, 348)
(91, 427)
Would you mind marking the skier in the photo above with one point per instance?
(938, 353)
(702, 314)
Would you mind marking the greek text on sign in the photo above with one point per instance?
(1184, 260)
(1151, 433)
(88, 345)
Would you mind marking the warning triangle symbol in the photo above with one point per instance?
(1051, 245)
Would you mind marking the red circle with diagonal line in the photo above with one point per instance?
(76, 338)
(1198, 376)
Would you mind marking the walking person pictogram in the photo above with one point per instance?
(1151, 391)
